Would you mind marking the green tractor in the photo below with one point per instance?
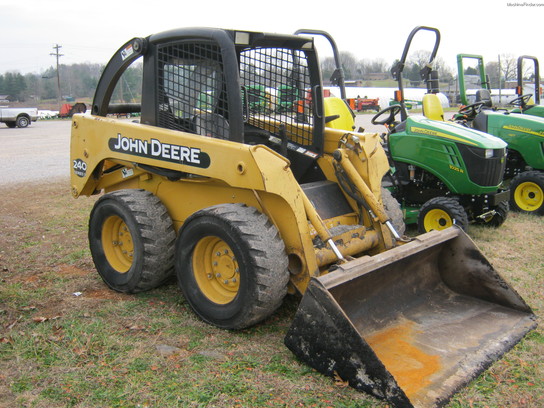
(524, 134)
(442, 173)
(528, 104)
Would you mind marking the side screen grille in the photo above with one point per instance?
(274, 87)
(191, 93)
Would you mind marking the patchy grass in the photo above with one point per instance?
(66, 340)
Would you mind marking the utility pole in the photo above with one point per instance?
(56, 54)
(500, 84)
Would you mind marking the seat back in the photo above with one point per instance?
(432, 107)
(338, 114)
(483, 95)
(212, 125)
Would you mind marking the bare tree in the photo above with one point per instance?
(508, 67)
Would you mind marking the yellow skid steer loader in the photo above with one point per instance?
(232, 181)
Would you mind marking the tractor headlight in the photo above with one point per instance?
(488, 154)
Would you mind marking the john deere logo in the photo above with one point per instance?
(155, 149)
(431, 132)
(522, 129)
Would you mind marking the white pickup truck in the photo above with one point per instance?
(20, 117)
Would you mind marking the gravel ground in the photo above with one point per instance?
(38, 152)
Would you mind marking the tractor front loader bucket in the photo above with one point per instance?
(413, 324)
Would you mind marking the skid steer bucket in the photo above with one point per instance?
(413, 324)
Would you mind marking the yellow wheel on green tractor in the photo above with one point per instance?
(437, 219)
(528, 196)
(527, 192)
(231, 265)
(216, 270)
(117, 243)
(440, 213)
(132, 239)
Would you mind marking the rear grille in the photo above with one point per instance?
(484, 172)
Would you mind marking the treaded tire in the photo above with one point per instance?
(394, 211)
(441, 213)
(527, 192)
(256, 253)
(150, 240)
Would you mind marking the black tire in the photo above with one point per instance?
(527, 192)
(11, 125)
(231, 265)
(137, 219)
(22, 121)
(394, 211)
(440, 213)
(501, 214)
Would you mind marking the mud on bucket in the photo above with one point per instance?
(413, 324)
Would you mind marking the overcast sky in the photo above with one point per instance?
(91, 31)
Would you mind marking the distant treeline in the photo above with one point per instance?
(78, 81)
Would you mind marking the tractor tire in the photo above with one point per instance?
(22, 121)
(394, 211)
(132, 240)
(527, 192)
(440, 213)
(501, 214)
(231, 265)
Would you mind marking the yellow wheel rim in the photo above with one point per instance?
(437, 219)
(216, 270)
(117, 244)
(529, 196)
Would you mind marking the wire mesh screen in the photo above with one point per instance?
(276, 91)
(191, 89)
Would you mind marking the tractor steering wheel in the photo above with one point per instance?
(521, 100)
(472, 110)
(392, 111)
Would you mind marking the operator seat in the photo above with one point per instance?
(212, 125)
(432, 107)
(483, 95)
(338, 114)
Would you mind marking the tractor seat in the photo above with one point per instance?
(432, 107)
(483, 95)
(339, 114)
(212, 125)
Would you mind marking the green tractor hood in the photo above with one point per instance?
(523, 133)
(466, 160)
